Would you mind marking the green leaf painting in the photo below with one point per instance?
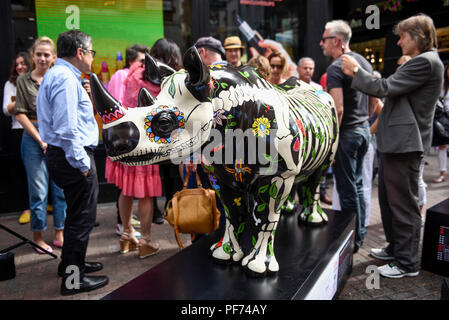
(273, 190)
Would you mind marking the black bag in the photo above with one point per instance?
(7, 266)
(440, 124)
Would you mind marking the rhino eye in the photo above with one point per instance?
(164, 124)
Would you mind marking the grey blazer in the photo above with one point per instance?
(405, 123)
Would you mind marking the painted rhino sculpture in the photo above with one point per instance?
(292, 128)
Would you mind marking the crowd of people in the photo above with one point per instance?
(56, 132)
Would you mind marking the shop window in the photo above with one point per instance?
(282, 25)
(24, 24)
(443, 43)
(178, 22)
(222, 19)
(373, 51)
(279, 21)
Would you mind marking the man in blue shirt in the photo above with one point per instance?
(67, 124)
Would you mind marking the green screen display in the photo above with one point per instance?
(113, 25)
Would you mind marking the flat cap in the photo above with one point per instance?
(210, 43)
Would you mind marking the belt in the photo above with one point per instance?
(50, 147)
(88, 149)
(355, 125)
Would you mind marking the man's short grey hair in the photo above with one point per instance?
(340, 29)
(305, 59)
(69, 41)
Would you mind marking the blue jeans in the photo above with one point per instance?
(38, 182)
(352, 147)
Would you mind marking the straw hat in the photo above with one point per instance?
(233, 42)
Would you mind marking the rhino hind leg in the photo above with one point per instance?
(265, 214)
(309, 192)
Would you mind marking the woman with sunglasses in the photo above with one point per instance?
(278, 64)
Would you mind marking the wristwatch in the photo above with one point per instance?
(356, 69)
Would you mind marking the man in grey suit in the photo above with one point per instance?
(404, 133)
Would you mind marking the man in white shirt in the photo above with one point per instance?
(306, 67)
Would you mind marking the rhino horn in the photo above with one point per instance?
(198, 72)
(144, 98)
(155, 70)
(107, 106)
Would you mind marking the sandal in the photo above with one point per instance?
(440, 179)
(58, 244)
(128, 242)
(48, 248)
(147, 248)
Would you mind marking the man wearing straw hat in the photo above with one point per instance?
(234, 50)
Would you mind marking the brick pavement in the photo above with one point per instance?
(36, 274)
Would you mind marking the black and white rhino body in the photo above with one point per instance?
(256, 140)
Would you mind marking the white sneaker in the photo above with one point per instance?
(380, 253)
(392, 271)
(119, 231)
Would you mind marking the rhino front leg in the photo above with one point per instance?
(262, 260)
(265, 217)
(228, 249)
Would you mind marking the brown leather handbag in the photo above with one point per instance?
(192, 210)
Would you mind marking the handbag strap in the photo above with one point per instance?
(214, 207)
(176, 219)
(198, 181)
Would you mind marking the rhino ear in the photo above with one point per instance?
(155, 70)
(144, 98)
(197, 70)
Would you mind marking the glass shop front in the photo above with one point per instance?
(116, 24)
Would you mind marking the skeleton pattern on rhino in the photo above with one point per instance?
(223, 110)
(309, 140)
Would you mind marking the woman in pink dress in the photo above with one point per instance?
(134, 55)
(142, 182)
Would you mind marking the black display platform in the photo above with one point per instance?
(314, 263)
(445, 289)
(435, 249)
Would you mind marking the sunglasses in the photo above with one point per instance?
(92, 52)
(276, 66)
(323, 39)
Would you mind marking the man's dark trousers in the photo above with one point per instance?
(398, 200)
(81, 194)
